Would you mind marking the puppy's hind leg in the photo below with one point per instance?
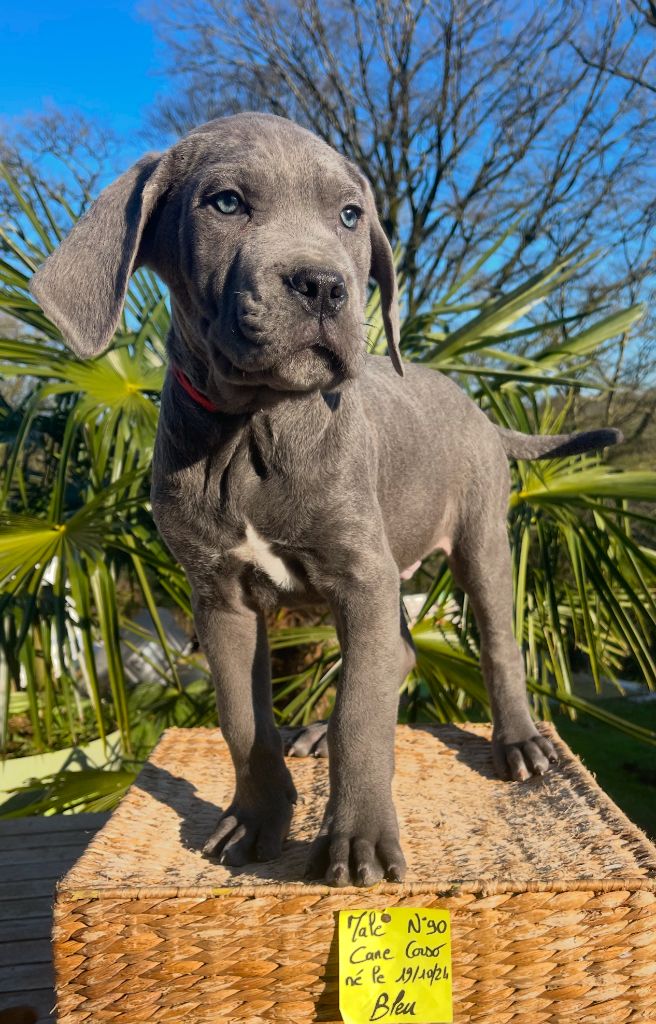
(306, 740)
(481, 565)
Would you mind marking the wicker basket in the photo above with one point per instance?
(551, 889)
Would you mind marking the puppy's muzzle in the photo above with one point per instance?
(320, 291)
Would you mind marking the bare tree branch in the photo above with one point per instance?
(466, 115)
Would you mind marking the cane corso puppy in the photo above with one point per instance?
(290, 466)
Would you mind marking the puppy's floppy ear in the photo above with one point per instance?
(383, 272)
(81, 287)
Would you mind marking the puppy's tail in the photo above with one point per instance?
(556, 446)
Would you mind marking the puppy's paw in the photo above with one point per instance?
(308, 741)
(247, 834)
(523, 758)
(362, 853)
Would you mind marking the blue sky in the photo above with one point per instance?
(98, 57)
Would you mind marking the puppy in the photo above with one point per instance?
(292, 467)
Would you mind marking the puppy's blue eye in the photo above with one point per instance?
(350, 216)
(228, 202)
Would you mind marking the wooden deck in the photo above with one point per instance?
(34, 854)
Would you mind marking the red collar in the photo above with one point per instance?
(197, 396)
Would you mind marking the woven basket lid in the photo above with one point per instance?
(462, 828)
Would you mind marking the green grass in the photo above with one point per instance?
(623, 767)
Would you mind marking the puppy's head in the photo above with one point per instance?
(266, 238)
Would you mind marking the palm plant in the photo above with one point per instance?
(74, 497)
(79, 551)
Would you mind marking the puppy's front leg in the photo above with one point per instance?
(254, 826)
(359, 838)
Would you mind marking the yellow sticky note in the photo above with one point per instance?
(395, 965)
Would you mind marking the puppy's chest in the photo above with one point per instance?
(262, 554)
(267, 557)
(256, 511)
(258, 525)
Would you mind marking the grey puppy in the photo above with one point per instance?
(292, 467)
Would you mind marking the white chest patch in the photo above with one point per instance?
(257, 550)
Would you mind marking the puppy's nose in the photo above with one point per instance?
(321, 292)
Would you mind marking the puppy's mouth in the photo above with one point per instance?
(247, 364)
(331, 359)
